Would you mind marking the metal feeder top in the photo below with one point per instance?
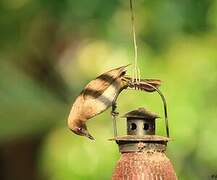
(141, 133)
(141, 113)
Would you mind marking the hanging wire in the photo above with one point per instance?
(136, 70)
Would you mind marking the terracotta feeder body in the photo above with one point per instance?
(142, 152)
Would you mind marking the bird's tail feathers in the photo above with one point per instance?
(149, 85)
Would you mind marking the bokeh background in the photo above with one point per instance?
(49, 50)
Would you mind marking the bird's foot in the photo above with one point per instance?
(114, 113)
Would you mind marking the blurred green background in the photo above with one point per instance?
(49, 50)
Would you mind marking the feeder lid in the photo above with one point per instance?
(141, 113)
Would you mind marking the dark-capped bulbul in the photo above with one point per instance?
(100, 94)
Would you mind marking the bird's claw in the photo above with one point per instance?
(114, 113)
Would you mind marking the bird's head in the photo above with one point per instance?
(81, 130)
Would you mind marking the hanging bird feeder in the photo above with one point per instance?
(142, 151)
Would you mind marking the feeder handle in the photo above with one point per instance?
(165, 108)
(165, 112)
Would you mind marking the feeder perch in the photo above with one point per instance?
(142, 152)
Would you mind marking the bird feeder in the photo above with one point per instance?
(142, 151)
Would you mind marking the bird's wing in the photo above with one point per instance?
(96, 87)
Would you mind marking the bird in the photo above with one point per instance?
(100, 94)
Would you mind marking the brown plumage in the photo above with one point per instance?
(99, 95)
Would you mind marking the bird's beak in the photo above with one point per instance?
(90, 136)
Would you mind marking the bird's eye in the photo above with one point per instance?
(79, 129)
(123, 73)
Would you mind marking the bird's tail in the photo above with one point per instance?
(149, 85)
